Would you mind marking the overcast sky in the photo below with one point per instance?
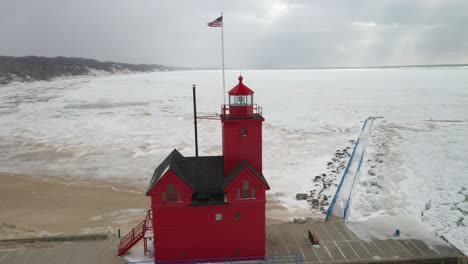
(257, 33)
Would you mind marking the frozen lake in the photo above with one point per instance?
(118, 128)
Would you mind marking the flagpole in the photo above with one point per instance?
(222, 56)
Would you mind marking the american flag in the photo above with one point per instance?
(217, 22)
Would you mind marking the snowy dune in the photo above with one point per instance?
(118, 128)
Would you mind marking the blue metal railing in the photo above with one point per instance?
(269, 259)
(345, 214)
(345, 172)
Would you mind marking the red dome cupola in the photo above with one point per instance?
(241, 101)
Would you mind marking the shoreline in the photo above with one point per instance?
(39, 207)
(32, 206)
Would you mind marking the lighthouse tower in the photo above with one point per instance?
(210, 208)
(242, 129)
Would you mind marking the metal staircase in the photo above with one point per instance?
(142, 230)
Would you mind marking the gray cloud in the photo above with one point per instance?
(258, 33)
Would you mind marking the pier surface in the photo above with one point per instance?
(78, 252)
(338, 244)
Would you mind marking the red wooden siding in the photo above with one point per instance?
(193, 232)
(238, 147)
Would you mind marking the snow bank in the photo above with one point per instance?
(381, 174)
(417, 169)
(383, 227)
(341, 201)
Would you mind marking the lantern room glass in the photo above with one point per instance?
(240, 100)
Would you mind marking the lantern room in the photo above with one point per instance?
(241, 101)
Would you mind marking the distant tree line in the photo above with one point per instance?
(32, 68)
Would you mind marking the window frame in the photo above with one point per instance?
(219, 216)
(246, 191)
(173, 195)
(237, 215)
(243, 131)
(241, 100)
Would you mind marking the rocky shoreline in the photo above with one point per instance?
(325, 184)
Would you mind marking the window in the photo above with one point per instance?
(173, 196)
(170, 188)
(243, 132)
(237, 216)
(240, 100)
(245, 190)
(249, 99)
(163, 197)
(219, 217)
(232, 100)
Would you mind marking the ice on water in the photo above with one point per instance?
(118, 128)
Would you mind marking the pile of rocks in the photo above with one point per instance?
(325, 184)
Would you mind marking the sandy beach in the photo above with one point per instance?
(34, 207)
(31, 207)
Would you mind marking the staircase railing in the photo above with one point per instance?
(137, 233)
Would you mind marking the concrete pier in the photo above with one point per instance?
(64, 238)
(338, 244)
(77, 252)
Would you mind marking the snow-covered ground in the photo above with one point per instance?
(419, 170)
(118, 128)
(351, 173)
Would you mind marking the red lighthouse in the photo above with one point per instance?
(211, 208)
(242, 129)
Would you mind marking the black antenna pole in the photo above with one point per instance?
(195, 119)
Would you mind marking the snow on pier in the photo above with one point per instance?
(341, 201)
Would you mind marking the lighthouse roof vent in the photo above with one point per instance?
(241, 88)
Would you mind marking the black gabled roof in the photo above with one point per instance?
(161, 169)
(238, 169)
(204, 175)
